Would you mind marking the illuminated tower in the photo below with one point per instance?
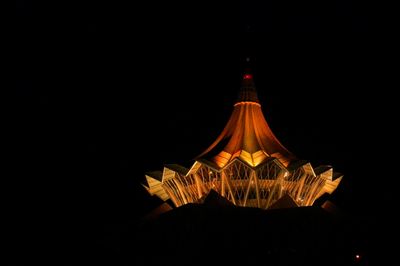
(246, 164)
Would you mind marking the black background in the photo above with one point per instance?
(107, 91)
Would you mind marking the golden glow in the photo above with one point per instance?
(246, 186)
(251, 169)
(242, 103)
(247, 136)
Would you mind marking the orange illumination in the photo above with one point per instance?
(286, 174)
(242, 103)
(248, 135)
(247, 165)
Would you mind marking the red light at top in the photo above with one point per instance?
(247, 76)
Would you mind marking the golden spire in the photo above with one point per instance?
(247, 134)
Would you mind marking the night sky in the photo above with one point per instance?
(107, 91)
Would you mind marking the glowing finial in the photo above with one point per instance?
(247, 76)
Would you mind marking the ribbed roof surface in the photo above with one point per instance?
(247, 134)
(248, 92)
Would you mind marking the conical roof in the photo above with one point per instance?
(247, 134)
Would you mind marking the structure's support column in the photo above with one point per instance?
(317, 186)
(281, 177)
(223, 184)
(181, 191)
(172, 195)
(255, 178)
(182, 180)
(246, 195)
(310, 187)
(276, 189)
(300, 189)
(199, 185)
(271, 191)
(228, 185)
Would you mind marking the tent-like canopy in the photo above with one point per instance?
(247, 165)
(247, 134)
